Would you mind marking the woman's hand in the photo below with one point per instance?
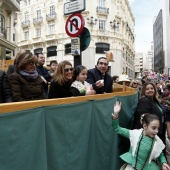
(165, 166)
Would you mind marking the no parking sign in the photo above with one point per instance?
(74, 25)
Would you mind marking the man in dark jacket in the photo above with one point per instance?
(5, 92)
(43, 71)
(99, 78)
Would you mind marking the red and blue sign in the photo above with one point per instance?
(74, 25)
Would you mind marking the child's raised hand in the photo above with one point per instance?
(116, 110)
(117, 107)
(165, 166)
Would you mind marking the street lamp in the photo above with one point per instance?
(114, 24)
(91, 21)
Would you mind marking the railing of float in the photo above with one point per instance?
(64, 134)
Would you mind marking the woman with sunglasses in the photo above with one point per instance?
(62, 79)
(25, 83)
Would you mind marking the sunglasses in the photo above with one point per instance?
(101, 63)
(68, 69)
(135, 83)
(31, 63)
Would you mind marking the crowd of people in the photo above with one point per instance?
(28, 79)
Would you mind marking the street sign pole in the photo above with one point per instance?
(78, 58)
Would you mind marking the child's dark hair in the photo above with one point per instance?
(77, 71)
(53, 61)
(147, 118)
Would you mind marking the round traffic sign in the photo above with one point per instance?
(74, 25)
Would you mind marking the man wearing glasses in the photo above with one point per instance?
(99, 78)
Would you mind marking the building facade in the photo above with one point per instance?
(110, 23)
(159, 57)
(8, 45)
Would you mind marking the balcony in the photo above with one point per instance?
(51, 37)
(51, 17)
(24, 42)
(3, 32)
(25, 23)
(14, 5)
(37, 40)
(37, 20)
(102, 10)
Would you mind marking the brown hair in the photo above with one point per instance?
(24, 58)
(144, 89)
(58, 75)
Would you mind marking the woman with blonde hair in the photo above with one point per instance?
(25, 83)
(62, 79)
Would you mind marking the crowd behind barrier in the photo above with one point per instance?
(30, 80)
(68, 133)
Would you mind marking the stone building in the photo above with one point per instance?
(41, 28)
(8, 10)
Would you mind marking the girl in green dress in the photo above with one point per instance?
(146, 147)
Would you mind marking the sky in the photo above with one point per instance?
(144, 12)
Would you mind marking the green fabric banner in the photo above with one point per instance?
(76, 136)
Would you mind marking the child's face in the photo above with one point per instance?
(53, 66)
(152, 129)
(83, 75)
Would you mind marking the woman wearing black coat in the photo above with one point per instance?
(5, 92)
(148, 104)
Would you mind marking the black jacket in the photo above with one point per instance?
(94, 75)
(5, 92)
(147, 105)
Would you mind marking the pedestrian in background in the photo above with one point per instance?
(53, 67)
(5, 92)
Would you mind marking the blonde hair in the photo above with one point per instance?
(59, 75)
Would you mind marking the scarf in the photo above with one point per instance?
(29, 74)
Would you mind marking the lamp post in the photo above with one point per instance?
(114, 25)
(91, 21)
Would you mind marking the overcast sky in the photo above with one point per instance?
(144, 12)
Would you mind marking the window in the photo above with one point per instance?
(101, 25)
(67, 48)
(38, 32)
(52, 51)
(26, 17)
(51, 29)
(101, 3)
(26, 35)
(38, 12)
(1, 22)
(52, 10)
(101, 47)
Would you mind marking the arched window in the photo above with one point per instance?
(101, 47)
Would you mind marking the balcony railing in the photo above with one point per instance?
(37, 20)
(102, 10)
(3, 32)
(50, 17)
(25, 23)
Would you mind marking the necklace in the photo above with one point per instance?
(138, 152)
